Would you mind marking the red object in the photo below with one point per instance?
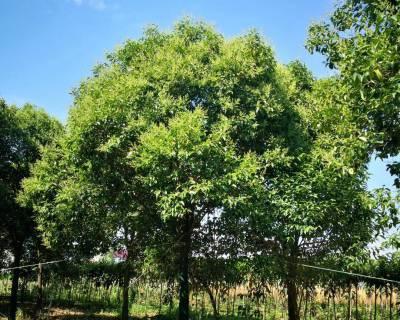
(121, 254)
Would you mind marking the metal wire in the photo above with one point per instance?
(359, 275)
(31, 265)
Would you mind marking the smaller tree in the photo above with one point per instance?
(23, 133)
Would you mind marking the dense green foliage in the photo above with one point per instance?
(212, 166)
(23, 133)
(361, 42)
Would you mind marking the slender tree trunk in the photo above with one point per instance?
(227, 302)
(125, 292)
(334, 304)
(197, 302)
(218, 296)
(234, 300)
(161, 297)
(380, 303)
(23, 289)
(15, 281)
(375, 302)
(265, 305)
(349, 303)
(370, 307)
(39, 296)
(306, 305)
(397, 303)
(329, 308)
(391, 303)
(292, 291)
(300, 304)
(184, 271)
(213, 302)
(357, 315)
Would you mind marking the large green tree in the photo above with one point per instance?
(185, 124)
(146, 82)
(23, 133)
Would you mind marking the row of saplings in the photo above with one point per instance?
(240, 292)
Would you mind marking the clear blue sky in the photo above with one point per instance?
(49, 46)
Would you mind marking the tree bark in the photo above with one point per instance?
(357, 315)
(125, 292)
(213, 302)
(39, 296)
(374, 302)
(15, 281)
(292, 291)
(349, 303)
(184, 271)
(161, 297)
(306, 305)
(391, 303)
(334, 304)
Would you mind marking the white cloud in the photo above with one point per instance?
(95, 4)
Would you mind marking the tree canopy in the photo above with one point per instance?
(207, 148)
(360, 40)
(24, 132)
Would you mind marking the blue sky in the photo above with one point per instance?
(49, 46)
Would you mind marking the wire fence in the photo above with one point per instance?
(246, 300)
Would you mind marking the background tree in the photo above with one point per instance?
(80, 217)
(316, 201)
(23, 133)
(360, 41)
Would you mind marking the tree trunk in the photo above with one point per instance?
(375, 302)
(329, 308)
(349, 303)
(170, 294)
(292, 291)
(15, 280)
(125, 292)
(306, 305)
(39, 297)
(391, 303)
(334, 304)
(161, 298)
(300, 302)
(184, 271)
(234, 300)
(213, 302)
(357, 315)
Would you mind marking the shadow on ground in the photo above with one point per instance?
(101, 317)
(64, 313)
